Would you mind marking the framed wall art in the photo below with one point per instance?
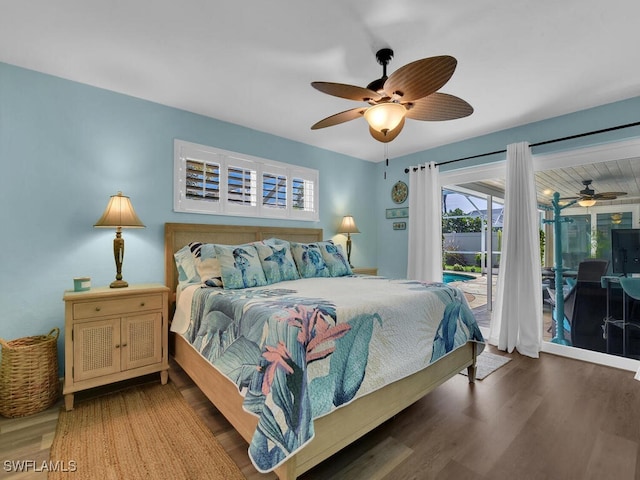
(402, 212)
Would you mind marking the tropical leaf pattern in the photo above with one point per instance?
(300, 351)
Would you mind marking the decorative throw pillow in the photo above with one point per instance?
(335, 259)
(309, 260)
(185, 264)
(276, 241)
(207, 263)
(277, 262)
(240, 266)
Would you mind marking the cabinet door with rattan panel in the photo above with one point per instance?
(96, 349)
(142, 340)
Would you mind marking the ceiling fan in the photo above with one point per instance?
(409, 92)
(588, 197)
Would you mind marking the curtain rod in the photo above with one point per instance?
(546, 142)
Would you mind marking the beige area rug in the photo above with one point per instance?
(144, 432)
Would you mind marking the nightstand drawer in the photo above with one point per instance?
(102, 308)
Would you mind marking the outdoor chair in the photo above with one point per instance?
(590, 271)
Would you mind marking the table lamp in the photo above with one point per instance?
(119, 214)
(348, 226)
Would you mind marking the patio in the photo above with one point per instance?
(476, 293)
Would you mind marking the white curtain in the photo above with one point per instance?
(516, 320)
(425, 224)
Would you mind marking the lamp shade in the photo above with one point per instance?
(119, 213)
(384, 117)
(348, 225)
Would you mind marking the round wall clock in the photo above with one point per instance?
(399, 192)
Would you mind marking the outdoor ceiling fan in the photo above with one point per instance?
(409, 92)
(587, 197)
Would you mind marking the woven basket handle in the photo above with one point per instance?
(54, 329)
(50, 334)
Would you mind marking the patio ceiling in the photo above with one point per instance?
(612, 176)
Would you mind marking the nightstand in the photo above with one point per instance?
(113, 334)
(365, 270)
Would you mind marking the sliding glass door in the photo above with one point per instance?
(472, 234)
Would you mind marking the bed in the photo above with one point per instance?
(343, 423)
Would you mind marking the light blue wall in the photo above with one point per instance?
(392, 245)
(65, 148)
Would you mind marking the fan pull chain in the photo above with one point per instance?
(386, 156)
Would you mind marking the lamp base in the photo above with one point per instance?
(119, 284)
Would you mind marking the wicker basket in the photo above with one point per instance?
(29, 374)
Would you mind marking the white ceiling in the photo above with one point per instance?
(251, 62)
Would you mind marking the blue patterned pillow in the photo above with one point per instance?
(185, 264)
(335, 259)
(309, 260)
(277, 262)
(207, 263)
(240, 265)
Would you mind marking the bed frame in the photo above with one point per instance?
(333, 431)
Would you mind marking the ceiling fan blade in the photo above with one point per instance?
(438, 107)
(381, 137)
(608, 195)
(338, 118)
(420, 78)
(350, 92)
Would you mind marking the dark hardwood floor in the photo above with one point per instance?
(547, 418)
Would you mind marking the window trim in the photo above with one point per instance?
(184, 151)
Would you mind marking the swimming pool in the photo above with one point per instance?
(456, 277)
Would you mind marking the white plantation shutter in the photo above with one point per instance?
(196, 180)
(274, 190)
(304, 196)
(202, 180)
(241, 187)
(210, 180)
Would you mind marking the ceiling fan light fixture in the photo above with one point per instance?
(385, 117)
(409, 92)
(587, 202)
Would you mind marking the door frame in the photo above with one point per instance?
(606, 152)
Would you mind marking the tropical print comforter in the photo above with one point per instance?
(299, 349)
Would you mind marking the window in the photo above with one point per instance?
(213, 181)
(274, 191)
(202, 180)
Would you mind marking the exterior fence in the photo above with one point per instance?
(465, 247)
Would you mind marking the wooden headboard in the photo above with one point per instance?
(177, 235)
